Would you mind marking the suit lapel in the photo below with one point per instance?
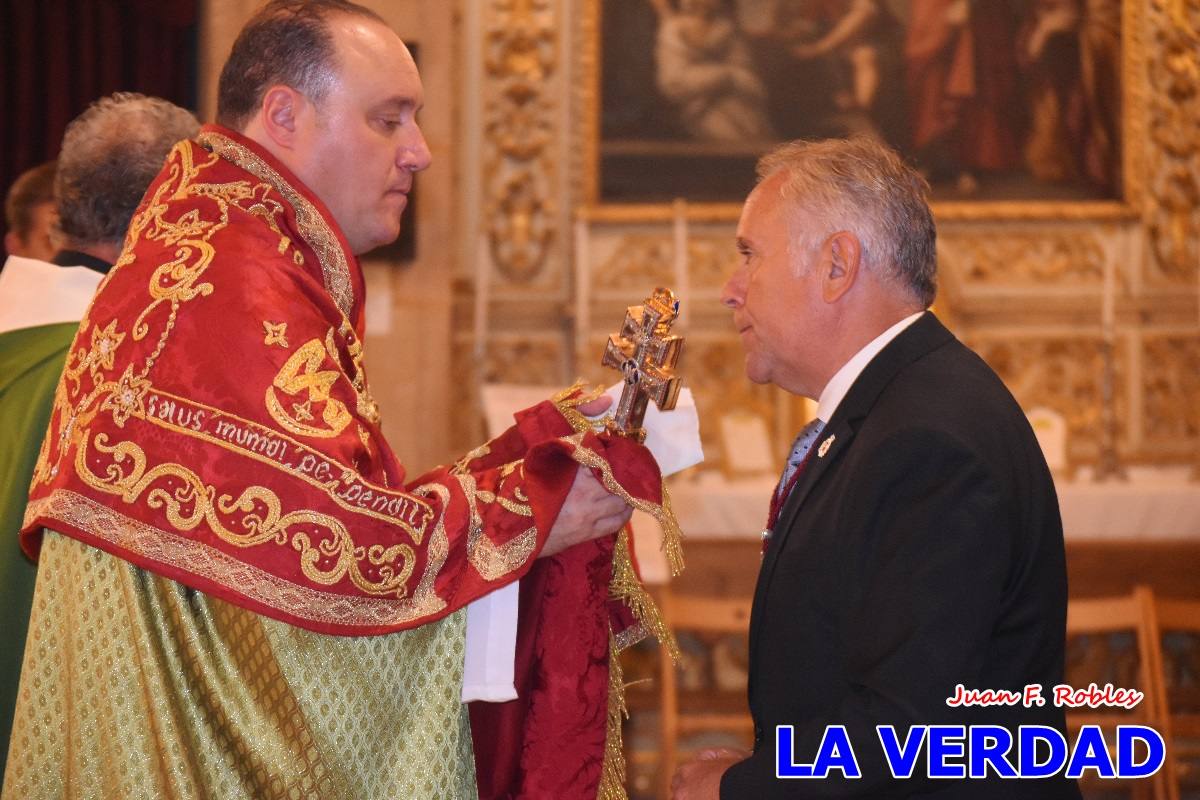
(923, 336)
(838, 434)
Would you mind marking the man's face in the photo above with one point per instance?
(775, 308)
(38, 243)
(361, 148)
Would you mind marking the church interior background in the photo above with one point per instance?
(1087, 307)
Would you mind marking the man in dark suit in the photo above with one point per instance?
(915, 542)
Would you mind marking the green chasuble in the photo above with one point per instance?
(164, 691)
(31, 359)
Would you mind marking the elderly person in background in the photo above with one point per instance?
(29, 214)
(109, 155)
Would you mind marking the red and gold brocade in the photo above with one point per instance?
(214, 423)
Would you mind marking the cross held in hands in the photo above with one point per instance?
(646, 354)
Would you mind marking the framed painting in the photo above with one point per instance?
(1010, 108)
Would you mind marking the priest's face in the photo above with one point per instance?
(774, 294)
(362, 145)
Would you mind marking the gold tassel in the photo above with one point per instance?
(672, 536)
(625, 586)
(612, 776)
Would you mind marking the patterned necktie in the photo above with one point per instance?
(791, 472)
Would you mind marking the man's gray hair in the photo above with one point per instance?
(110, 154)
(862, 186)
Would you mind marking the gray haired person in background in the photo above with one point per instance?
(110, 154)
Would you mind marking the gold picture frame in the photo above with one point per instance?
(600, 204)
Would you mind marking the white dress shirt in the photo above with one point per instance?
(843, 379)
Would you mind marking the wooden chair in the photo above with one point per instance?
(700, 615)
(1134, 613)
(1182, 703)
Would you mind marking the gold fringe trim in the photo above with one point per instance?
(672, 535)
(672, 542)
(628, 588)
(612, 775)
(625, 586)
(568, 406)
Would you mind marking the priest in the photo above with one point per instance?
(241, 591)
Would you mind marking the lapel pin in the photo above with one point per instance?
(825, 445)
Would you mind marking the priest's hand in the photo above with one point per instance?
(595, 408)
(700, 778)
(589, 512)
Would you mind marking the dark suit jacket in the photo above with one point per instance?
(923, 549)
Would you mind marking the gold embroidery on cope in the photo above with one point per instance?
(365, 405)
(327, 552)
(491, 560)
(252, 515)
(104, 349)
(205, 561)
(126, 398)
(313, 227)
(266, 445)
(276, 333)
(464, 464)
(301, 376)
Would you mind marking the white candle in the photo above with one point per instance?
(681, 256)
(582, 286)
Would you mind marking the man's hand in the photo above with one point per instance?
(589, 512)
(700, 778)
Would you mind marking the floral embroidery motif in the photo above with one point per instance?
(303, 411)
(104, 347)
(127, 397)
(276, 334)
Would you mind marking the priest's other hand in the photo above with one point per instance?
(700, 778)
(589, 512)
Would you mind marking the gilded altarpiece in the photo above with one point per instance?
(1023, 283)
(545, 270)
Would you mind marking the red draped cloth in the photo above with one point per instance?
(551, 742)
(961, 82)
(214, 424)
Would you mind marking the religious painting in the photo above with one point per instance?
(995, 101)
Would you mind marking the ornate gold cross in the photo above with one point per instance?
(645, 354)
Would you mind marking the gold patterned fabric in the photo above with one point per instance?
(135, 686)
